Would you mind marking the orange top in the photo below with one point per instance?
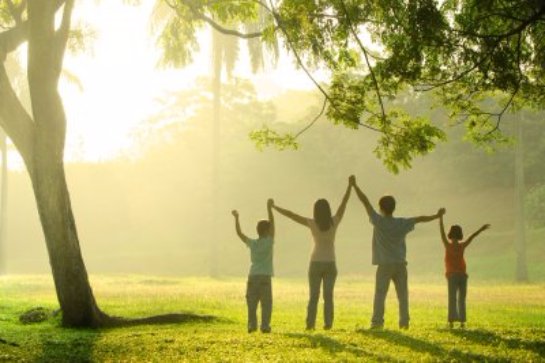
(454, 259)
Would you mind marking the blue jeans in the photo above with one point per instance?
(319, 272)
(457, 291)
(259, 290)
(397, 272)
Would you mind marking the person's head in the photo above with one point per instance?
(263, 227)
(455, 233)
(322, 214)
(387, 205)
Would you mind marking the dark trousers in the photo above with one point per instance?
(457, 291)
(259, 290)
(318, 273)
(396, 272)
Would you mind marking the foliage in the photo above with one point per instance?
(499, 329)
(178, 34)
(267, 137)
(476, 57)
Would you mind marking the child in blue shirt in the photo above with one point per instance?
(259, 287)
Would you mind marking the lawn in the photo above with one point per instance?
(506, 322)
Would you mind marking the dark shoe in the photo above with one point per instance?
(309, 328)
(327, 327)
(266, 330)
(404, 327)
(251, 330)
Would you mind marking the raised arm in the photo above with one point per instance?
(423, 219)
(342, 207)
(363, 198)
(475, 234)
(442, 229)
(241, 235)
(270, 205)
(293, 216)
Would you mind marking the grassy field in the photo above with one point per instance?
(505, 323)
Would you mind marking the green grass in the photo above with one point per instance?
(505, 323)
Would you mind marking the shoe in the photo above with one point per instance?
(327, 327)
(309, 328)
(266, 330)
(404, 327)
(251, 329)
(376, 327)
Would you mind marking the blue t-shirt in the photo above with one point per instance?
(261, 253)
(389, 238)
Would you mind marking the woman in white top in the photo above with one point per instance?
(322, 269)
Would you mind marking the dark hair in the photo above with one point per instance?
(263, 227)
(455, 232)
(322, 214)
(387, 204)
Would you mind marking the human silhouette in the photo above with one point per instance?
(455, 269)
(389, 254)
(322, 270)
(259, 284)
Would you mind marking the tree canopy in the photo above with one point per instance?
(480, 58)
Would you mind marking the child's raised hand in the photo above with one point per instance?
(352, 180)
(486, 226)
(441, 212)
(234, 213)
(270, 203)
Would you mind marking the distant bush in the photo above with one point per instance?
(535, 206)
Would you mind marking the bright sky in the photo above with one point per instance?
(121, 82)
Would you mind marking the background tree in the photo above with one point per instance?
(477, 57)
(3, 199)
(224, 55)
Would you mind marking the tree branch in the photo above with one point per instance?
(16, 11)
(519, 29)
(304, 129)
(14, 119)
(372, 73)
(305, 69)
(12, 38)
(61, 37)
(214, 24)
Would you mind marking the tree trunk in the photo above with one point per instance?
(520, 224)
(3, 201)
(217, 57)
(74, 292)
(45, 165)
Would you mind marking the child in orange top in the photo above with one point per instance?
(455, 266)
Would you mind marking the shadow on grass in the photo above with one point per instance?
(422, 346)
(177, 318)
(78, 345)
(486, 337)
(73, 346)
(333, 346)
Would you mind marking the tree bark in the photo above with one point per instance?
(217, 60)
(520, 222)
(3, 201)
(46, 47)
(74, 292)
